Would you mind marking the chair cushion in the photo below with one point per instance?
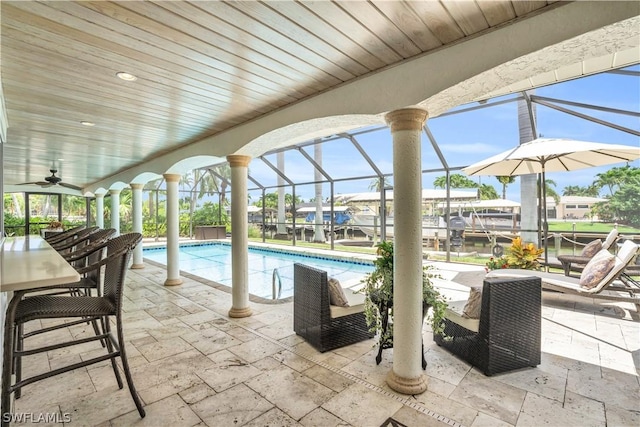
(597, 269)
(592, 248)
(610, 239)
(336, 294)
(356, 305)
(471, 309)
(454, 314)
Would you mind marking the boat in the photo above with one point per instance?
(488, 215)
(370, 225)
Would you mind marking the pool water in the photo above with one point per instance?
(213, 262)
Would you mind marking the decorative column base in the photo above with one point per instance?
(137, 266)
(407, 385)
(173, 282)
(240, 312)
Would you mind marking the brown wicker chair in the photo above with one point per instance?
(74, 242)
(24, 309)
(508, 334)
(312, 316)
(82, 256)
(86, 262)
(63, 235)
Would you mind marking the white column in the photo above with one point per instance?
(136, 208)
(100, 210)
(281, 227)
(406, 375)
(318, 236)
(173, 230)
(239, 237)
(115, 210)
(529, 209)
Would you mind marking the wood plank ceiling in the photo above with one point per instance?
(202, 67)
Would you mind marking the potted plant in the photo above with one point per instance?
(519, 255)
(55, 225)
(378, 290)
(523, 255)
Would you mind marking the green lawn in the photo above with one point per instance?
(590, 227)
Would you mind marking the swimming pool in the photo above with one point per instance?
(213, 261)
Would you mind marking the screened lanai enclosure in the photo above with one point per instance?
(337, 192)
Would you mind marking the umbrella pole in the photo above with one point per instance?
(545, 225)
(539, 215)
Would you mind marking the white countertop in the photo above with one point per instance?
(30, 262)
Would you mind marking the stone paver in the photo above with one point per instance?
(194, 366)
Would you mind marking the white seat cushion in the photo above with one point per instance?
(454, 314)
(356, 304)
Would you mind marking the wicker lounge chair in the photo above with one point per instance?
(323, 326)
(508, 334)
(24, 309)
(614, 286)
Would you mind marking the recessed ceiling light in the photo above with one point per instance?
(61, 160)
(126, 76)
(86, 123)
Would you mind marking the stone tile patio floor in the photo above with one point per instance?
(194, 366)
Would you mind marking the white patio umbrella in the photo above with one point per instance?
(552, 155)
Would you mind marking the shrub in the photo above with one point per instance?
(496, 263)
(523, 255)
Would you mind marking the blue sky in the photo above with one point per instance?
(472, 136)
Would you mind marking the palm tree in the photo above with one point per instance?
(616, 177)
(152, 187)
(73, 206)
(190, 180)
(488, 192)
(577, 190)
(551, 192)
(592, 191)
(17, 204)
(505, 180)
(126, 202)
(378, 184)
(572, 190)
(457, 180)
(221, 177)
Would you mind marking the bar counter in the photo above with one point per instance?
(30, 262)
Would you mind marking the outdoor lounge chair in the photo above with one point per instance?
(576, 263)
(321, 324)
(614, 286)
(507, 335)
